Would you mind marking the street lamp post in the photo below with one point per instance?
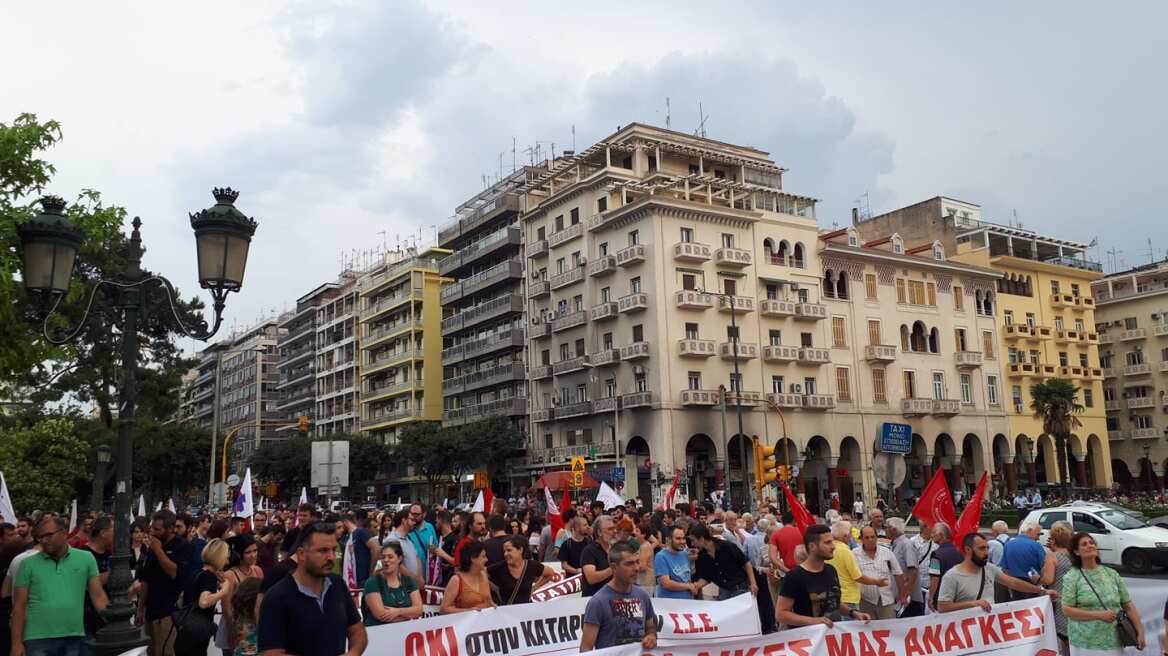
(737, 406)
(49, 245)
(103, 460)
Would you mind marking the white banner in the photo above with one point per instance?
(553, 627)
(1020, 628)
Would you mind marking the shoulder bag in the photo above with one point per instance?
(1124, 627)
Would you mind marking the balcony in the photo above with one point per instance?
(818, 401)
(1087, 301)
(689, 251)
(1064, 300)
(510, 406)
(634, 302)
(634, 254)
(1047, 370)
(1106, 339)
(603, 311)
(815, 356)
(771, 307)
(732, 257)
(1137, 369)
(695, 348)
(570, 320)
(637, 400)
(1133, 334)
(390, 359)
(748, 399)
(1114, 405)
(481, 312)
(744, 351)
(568, 366)
(574, 410)
(541, 372)
(946, 407)
(566, 235)
(1064, 336)
(780, 353)
(1138, 402)
(569, 277)
(483, 345)
(810, 311)
(377, 392)
(507, 237)
(538, 330)
(1116, 435)
(699, 397)
(880, 353)
(741, 303)
(1160, 330)
(968, 359)
(538, 289)
(916, 407)
(691, 300)
(1089, 337)
(635, 351)
(1017, 331)
(602, 266)
(605, 358)
(1072, 372)
(1043, 332)
(542, 415)
(1144, 434)
(1095, 373)
(607, 404)
(537, 248)
(511, 269)
(785, 400)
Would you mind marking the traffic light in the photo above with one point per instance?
(766, 468)
(302, 424)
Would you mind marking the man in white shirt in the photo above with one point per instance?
(1022, 506)
(925, 547)
(858, 508)
(878, 562)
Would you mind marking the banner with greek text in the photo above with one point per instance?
(553, 627)
(1020, 628)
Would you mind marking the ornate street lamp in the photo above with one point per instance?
(49, 245)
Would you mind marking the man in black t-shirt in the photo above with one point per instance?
(721, 563)
(810, 593)
(594, 564)
(161, 576)
(497, 525)
(101, 545)
(573, 548)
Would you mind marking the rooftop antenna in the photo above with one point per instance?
(1017, 223)
(701, 131)
(864, 203)
(530, 155)
(573, 137)
(667, 126)
(383, 236)
(1151, 252)
(1113, 258)
(513, 154)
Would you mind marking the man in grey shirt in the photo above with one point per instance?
(971, 582)
(909, 558)
(620, 613)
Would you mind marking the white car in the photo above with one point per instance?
(1123, 538)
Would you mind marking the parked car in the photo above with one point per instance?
(1123, 538)
(1161, 521)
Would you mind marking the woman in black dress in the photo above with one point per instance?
(202, 593)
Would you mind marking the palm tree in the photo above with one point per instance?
(1055, 402)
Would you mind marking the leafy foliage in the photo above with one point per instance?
(440, 454)
(44, 463)
(170, 459)
(288, 462)
(1055, 402)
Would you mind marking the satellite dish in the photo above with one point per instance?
(889, 469)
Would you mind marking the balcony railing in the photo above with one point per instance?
(603, 311)
(691, 300)
(780, 353)
(698, 397)
(482, 312)
(880, 353)
(744, 351)
(1160, 329)
(968, 359)
(770, 307)
(537, 248)
(1137, 369)
(635, 351)
(734, 257)
(565, 235)
(570, 320)
(916, 407)
(946, 407)
(785, 399)
(689, 251)
(633, 302)
(810, 311)
(1138, 402)
(538, 330)
(637, 400)
(510, 406)
(814, 355)
(1133, 334)
(568, 366)
(634, 254)
(604, 358)
(747, 398)
(569, 277)
(741, 303)
(818, 401)
(695, 348)
(1017, 331)
(1145, 433)
(1075, 262)
(607, 404)
(603, 265)
(541, 372)
(538, 288)
(574, 410)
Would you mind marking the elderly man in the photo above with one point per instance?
(908, 589)
(945, 557)
(876, 521)
(876, 560)
(731, 532)
(1023, 558)
(846, 567)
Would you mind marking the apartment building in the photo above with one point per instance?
(1047, 327)
(641, 275)
(483, 321)
(186, 397)
(1131, 317)
(297, 353)
(249, 372)
(197, 401)
(400, 342)
(908, 344)
(337, 375)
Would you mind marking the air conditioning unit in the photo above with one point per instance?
(796, 388)
(1155, 316)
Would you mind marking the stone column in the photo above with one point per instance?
(1031, 470)
(927, 469)
(1010, 474)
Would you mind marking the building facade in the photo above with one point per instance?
(248, 390)
(337, 376)
(1131, 317)
(400, 342)
(1047, 329)
(484, 312)
(297, 363)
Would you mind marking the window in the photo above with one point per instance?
(839, 336)
(992, 389)
(809, 386)
(602, 204)
(634, 237)
(561, 265)
(1054, 286)
(874, 332)
(1075, 290)
(900, 293)
(938, 385)
(1047, 520)
(547, 440)
(580, 348)
(578, 302)
(870, 286)
(987, 344)
(958, 299)
(776, 337)
(546, 357)
(1031, 320)
(1085, 523)
(777, 384)
(910, 385)
(639, 383)
(843, 389)
(729, 286)
(1008, 317)
(1083, 360)
(602, 249)
(878, 394)
(1016, 397)
(635, 285)
(727, 240)
(607, 341)
(694, 378)
(1142, 421)
(931, 294)
(966, 389)
(559, 223)
(805, 340)
(687, 235)
(803, 295)
(1134, 357)
(1108, 394)
(772, 291)
(638, 333)
(689, 281)
(959, 339)
(541, 233)
(609, 388)
(605, 294)
(732, 333)
(1034, 356)
(564, 352)
(1079, 325)
(1088, 398)
(581, 393)
(1063, 362)
(736, 383)
(691, 331)
(916, 292)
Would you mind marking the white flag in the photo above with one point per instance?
(478, 504)
(73, 518)
(170, 505)
(349, 565)
(303, 495)
(141, 505)
(158, 507)
(552, 508)
(609, 497)
(7, 512)
(244, 503)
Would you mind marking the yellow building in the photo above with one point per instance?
(1048, 330)
(401, 342)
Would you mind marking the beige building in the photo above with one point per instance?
(336, 358)
(1131, 317)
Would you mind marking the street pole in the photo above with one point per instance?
(738, 410)
(724, 479)
(119, 635)
(215, 426)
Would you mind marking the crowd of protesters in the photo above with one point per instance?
(274, 582)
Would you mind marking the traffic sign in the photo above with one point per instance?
(895, 438)
(618, 474)
(233, 480)
(577, 479)
(578, 464)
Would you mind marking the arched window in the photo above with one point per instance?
(988, 303)
(977, 301)
(934, 341)
(841, 286)
(919, 338)
(798, 254)
(905, 345)
(828, 284)
(853, 238)
(784, 253)
(938, 251)
(768, 247)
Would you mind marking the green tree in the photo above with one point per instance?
(286, 462)
(436, 454)
(44, 463)
(368, 461)
(170, 458)
(490, 443)
(1055, 402)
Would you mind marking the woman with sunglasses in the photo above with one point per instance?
(391, 595)
(1092, 596)
(469, 588)
(518, 575)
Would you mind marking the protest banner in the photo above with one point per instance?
(554, 627)
(1020, 628)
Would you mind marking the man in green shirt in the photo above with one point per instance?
(48, 600)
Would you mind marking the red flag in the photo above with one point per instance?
(971, 516)
(672, 490)
(565, 501)
(488, 500)
(554, 514)
(803, 517)
(936, 502)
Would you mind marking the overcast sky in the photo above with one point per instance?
(348, 125)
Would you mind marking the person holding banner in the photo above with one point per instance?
(810, 593)
(469, 588)
(518, 574)
(391, 595)
(620, 613)
(672, 568)
(1094, 596)
(970, 583)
